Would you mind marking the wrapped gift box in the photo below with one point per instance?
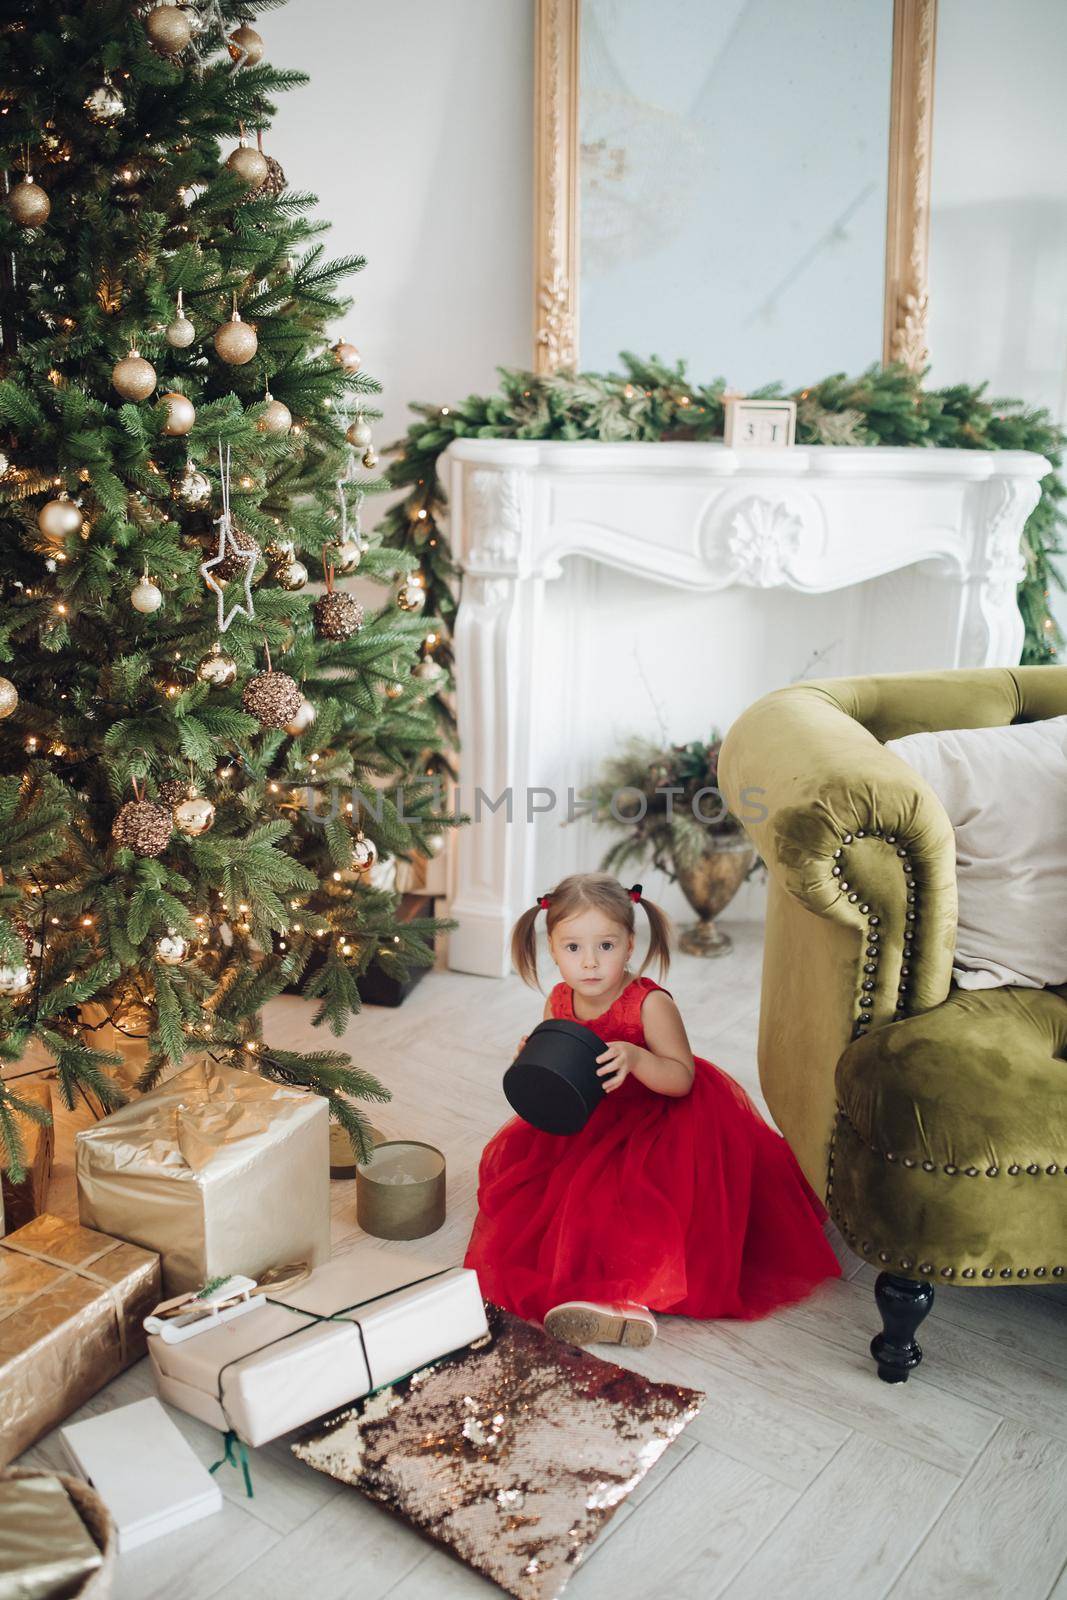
(27, 1199)
(45, 1548)
(71, 1307)
(219, 1170)
(283, 1365)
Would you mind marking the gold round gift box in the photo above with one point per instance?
(400, 1191)
(343, 1159)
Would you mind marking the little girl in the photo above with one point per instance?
(676, 1196)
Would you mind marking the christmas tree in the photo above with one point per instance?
(204, 764)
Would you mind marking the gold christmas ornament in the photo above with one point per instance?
(347, 555)
(245, 45)
(393, 691)
(235, 562)
(275, 416)
(143, 827)
(370, 457)
(429, 670)
(364, 853)
(181, 332)
(14, 981)
(249, 164)
(9, 697)
(169, 29)
(194, 488)
(171, 949)
(217, 669)
(105, 104)
(411, 596)
(181, 413)
(133, 376)
(235, 340)
(273, 698)
(347, 356)
(337, 615)
(291, 575)
(194, 815)
(146, 596)
(28, 204)
(302, 720)
(58, 518)
(359, 433)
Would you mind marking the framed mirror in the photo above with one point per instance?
(744, 185)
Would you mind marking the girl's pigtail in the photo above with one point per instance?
(524, 947)
(659, 944)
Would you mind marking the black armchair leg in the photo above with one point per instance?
(903, 1303)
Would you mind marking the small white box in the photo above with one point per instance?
(143, 1470)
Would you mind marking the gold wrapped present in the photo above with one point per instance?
(71, 1307)
(27, 1199)
(219, 1170)
(46, 1551)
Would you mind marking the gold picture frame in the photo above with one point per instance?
(556, 244)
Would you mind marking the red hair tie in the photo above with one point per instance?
(543, 900)
(635, 892)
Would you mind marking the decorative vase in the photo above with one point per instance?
(709, 886)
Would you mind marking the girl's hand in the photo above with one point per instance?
(620, 1059)
(522, 1046)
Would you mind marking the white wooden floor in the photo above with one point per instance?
(804, 1477)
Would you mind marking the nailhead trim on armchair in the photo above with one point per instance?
(873, 950)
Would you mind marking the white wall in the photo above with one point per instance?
(416, 133)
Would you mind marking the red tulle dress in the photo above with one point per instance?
(687, 1204)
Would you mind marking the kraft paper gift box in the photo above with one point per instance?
(221, 1171)
(27, 1199)
(284, 1364)
(71, 1307)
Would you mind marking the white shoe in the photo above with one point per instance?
(591, 1322)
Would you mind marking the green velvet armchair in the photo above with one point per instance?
(932, 1119)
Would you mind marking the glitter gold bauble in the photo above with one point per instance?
(346, 556)
(337, 615)
(194, 488)
(133, 376)
(236, 341)
(28, 204)
(169, 29)
(235, 561)
(393, 691)
(172, 791)
(171, 949)
(194, 816)
(58, 518)
(9, 697)
(146, 597)
(302, 720)
(217, 669)
(273, 698)
(105, 104)
(14, 981)
(181, 413)
(181, 332)
(143, 827)
(429, 670)
(244, 42)
(291, 575)
(411, 596)
(275, 417)
(359, 433)
(347, 356)
(364, 853)
(249, 164)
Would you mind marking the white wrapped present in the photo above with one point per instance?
(365, 1319)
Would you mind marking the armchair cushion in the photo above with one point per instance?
(1005, 792)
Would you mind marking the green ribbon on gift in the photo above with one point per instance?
(236, 1456)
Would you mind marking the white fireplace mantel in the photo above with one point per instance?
(918, 551)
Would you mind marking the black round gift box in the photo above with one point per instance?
(552, 1082)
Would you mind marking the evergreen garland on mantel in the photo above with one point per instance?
(649, 400)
